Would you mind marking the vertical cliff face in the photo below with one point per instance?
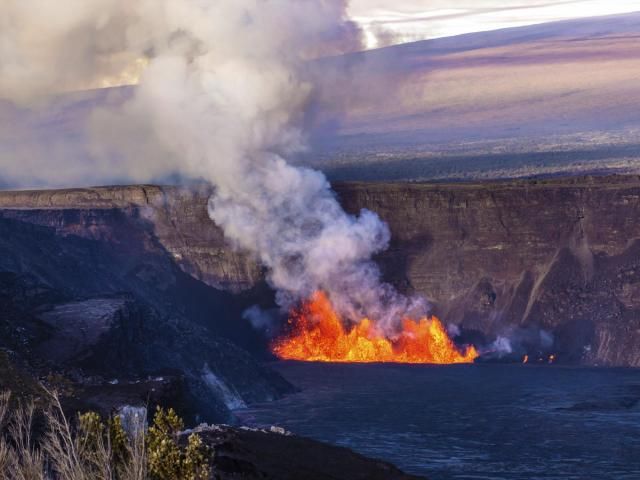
(516, 258)
(552, 265)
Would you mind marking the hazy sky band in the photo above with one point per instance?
(400, 21)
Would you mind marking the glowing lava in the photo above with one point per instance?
(318, 335)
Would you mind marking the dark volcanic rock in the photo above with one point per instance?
(114, 308)
(554, 265)
(260, 455)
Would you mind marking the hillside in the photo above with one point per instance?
(92, 303)
(546, 99)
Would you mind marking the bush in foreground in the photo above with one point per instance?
(91, 449)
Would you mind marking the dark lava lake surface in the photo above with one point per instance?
(468, 422)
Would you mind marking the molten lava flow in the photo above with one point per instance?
(319, 335)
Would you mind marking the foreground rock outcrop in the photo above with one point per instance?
(270, 455)
(552, 265)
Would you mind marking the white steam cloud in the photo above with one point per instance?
(222, 95)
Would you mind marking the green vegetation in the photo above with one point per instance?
(91, 449)
(168, 461)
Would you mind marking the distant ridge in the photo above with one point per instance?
(549, 99)
(555, 98)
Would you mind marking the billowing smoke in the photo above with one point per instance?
(222, 95)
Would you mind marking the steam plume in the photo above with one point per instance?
(221, 95)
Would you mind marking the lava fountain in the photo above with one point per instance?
(318, 334)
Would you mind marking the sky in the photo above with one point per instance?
(398, 21)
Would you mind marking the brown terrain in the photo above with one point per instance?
(552, 265)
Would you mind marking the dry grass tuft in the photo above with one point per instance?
(90, 449)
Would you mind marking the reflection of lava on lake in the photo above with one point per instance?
(318, 334)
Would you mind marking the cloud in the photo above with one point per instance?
(410, 20)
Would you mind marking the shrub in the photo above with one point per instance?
(167, 461)
(90, 449)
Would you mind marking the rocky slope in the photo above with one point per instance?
(552, 265)
(89, 297)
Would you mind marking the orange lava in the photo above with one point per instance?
(318, 335)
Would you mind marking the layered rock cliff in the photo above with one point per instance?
(552, 265)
